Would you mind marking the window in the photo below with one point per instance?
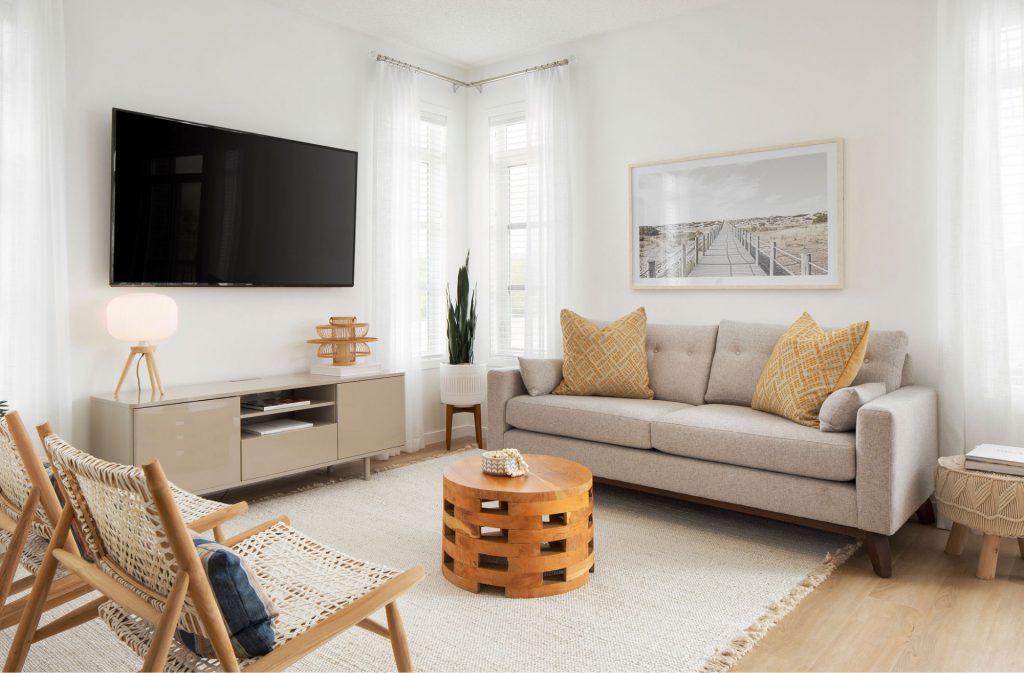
(431, 216)
(1010, 116)
(509, 192)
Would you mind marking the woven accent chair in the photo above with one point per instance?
(145, 563)
(29, 510)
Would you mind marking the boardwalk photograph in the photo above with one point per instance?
(762, 219)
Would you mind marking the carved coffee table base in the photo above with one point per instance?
(536, 541)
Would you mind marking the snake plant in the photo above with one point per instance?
(461, 319)
(3, 408)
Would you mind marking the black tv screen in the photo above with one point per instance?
(198, 205)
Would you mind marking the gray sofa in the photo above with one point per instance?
(698, 439)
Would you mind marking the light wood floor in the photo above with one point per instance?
(932, 615)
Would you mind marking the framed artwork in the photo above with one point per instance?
(762, 219)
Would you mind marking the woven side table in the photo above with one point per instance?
(992, 503)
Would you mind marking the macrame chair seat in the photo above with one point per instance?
(307, 581)
(145, 563)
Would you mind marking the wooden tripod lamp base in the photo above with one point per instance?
(148, 353)
(142, 317)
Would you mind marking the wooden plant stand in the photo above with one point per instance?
(531, 535)
(451, 410)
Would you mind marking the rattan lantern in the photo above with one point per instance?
(343, 340)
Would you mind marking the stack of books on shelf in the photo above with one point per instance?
(996, 458)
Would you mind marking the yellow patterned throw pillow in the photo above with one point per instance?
(611, 362)
(806, 366)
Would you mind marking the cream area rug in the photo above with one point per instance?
(677, 587)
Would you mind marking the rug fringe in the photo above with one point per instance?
(729, 655)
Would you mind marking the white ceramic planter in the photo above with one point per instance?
(463, 385)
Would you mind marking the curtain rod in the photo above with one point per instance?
(479, 84)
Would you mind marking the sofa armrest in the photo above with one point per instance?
(897, 446)
(502, 385)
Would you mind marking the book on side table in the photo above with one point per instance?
(996, 458)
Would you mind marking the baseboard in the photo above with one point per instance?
(460, 433)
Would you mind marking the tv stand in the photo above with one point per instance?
(197, 432)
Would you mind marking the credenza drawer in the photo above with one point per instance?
(294, 450)
(195, 442)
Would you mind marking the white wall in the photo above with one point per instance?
(241, 64)
(742, 75)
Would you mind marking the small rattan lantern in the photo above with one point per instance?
(343, 340)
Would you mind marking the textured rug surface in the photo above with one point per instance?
(675, 584)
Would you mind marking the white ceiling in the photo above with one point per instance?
(470, 33)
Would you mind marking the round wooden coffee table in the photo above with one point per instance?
(532, 535)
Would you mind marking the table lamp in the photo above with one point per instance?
(142, 317)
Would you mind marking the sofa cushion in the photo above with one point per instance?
(612, 420)
(540, 375)
(679, 361)
(885, 360)
(741, 436)
(742, 349)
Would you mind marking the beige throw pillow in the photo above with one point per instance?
(540, 375)
(839, 410)
(609, 361)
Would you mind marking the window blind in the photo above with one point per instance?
(509, 202)
(431, 211)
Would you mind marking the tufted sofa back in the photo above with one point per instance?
(679, 361)
(720, 364)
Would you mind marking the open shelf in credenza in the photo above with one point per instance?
(277, 412)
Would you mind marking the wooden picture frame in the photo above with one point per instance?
(765, 219)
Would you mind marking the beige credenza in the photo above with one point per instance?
(197, 432)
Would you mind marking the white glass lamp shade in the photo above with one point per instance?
(143, 316)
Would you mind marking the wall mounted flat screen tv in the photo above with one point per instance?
(195, 205)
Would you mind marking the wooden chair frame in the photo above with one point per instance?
(191, 581)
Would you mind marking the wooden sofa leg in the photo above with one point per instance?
(926, 513)
(880, 553)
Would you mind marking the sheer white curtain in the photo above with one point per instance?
(549, 213)
(34, 375)
(981, 213)
(396, 309)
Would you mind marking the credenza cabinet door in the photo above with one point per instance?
(371, 416)
(198, 443)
